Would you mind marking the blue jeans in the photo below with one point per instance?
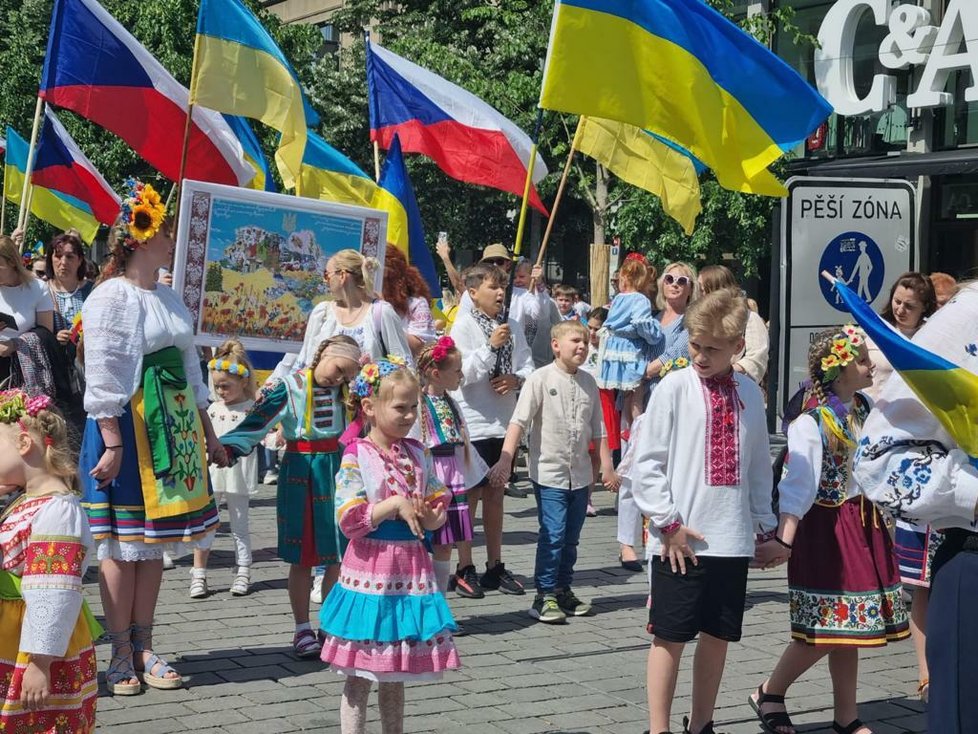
(561, 513)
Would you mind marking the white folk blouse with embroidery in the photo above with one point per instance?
(906, 461)
(46, 541)
(672, 456)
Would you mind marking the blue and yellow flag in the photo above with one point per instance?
(681, 70)
(54, 207)
(253, 154)
(948, 391)
(643, 160)
(394, 179)
(328, 174)
(239, 70)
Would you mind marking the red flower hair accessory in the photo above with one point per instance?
(637, 256)
(443, 346)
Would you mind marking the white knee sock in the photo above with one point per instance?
(443, 569)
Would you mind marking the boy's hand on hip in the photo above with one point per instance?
(676, 548)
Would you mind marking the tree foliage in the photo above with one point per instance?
(493, 49)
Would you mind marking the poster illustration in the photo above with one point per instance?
(250, 264)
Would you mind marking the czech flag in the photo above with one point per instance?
(95, 68)
(465, 136)
(60, 165)
(948, 391)
(679, 69)
(394, 179)
(54, 207)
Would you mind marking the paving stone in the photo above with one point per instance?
(518, 676)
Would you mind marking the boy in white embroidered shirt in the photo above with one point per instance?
(702, 474)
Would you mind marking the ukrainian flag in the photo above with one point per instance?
(328, 174)
(253, 154)
(239, 70)
(643, 160)
(681, 70)
(948, 391)
(394, 180)
(54, 207)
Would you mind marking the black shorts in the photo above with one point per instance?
(489, 449)
(709, 598)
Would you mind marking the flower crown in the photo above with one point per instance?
(34, 253)
(673, 364)
(443, 346)
(226, 365)
(143, 212)
(367, 383)
(15, 404)
(843, 350)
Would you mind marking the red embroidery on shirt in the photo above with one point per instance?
(722, 455)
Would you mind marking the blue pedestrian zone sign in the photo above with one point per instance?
(856, 260)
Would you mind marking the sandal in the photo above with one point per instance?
(923, 690)
(771, 720)
(306, 644)
(854, 726)
(242, 582)
(155, 668)
(707, 729)
(120, 669)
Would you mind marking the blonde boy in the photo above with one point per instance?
(560, 408)
(702, 474)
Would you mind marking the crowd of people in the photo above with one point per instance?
(122, 443)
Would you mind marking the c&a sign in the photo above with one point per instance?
(912, 41)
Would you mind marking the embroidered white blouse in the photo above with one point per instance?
(323, 324)
(906, 461)
(673, 456)
(242, 477)
(122, 322)
(46, 541)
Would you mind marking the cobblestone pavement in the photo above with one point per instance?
(519, 676)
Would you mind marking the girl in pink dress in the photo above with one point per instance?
(386, 620)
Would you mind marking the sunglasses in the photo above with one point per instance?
(42, 274)
(680, 280)
(498, 261)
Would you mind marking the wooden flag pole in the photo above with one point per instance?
(556, 205)
(3, 203)
(22, 214)
(377, 161)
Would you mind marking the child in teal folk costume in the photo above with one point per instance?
(309, 405)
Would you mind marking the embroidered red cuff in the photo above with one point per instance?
(670, 528)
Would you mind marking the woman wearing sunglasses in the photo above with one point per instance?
(677, 289)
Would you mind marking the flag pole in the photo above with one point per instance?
(3, 202)
(371, 102)
(557, 200)
(21, 214)
(377, 161)
(186, 136)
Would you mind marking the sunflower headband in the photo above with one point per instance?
(367, 383)
(673, 364)
(226, 365)
(844, 350)
(143, 212)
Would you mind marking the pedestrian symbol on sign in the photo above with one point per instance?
(856, 260)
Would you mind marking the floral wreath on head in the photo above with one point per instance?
(367, 383)
(34, 253)
(226, 365)
(442, 348)
(15, 404)
(844, 350)
(143, 212)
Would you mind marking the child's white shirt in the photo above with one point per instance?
(242, 477)
(668, 476)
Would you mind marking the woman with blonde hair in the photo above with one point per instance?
(22, 297)
(353, 309)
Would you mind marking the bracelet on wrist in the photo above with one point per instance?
(782, 543)
(670, 528)
(117, 446)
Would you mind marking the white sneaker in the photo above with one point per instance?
(271, 477)
(168, 561)
(316, 595)
(198, 584)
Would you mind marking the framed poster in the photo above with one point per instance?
(249, 264)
